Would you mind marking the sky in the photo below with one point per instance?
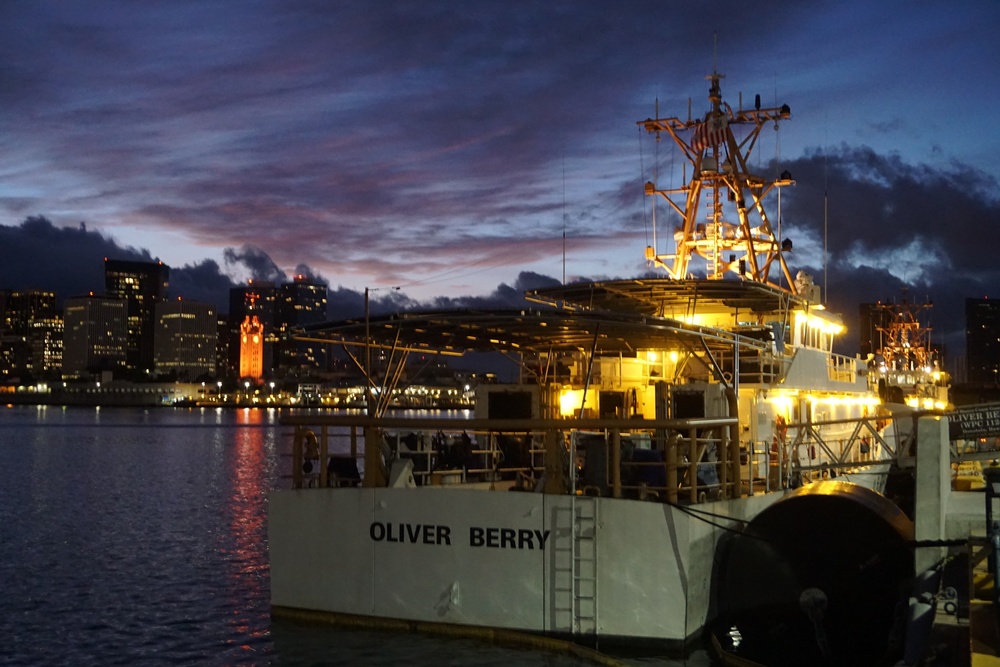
(465, 151)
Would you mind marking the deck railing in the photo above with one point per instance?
(679, 460)
(690, 460)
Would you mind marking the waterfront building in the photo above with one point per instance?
(141, 285)
(184, 339)
(222, 344)
(31, 334)
(982, 340)
(251, 348)
(95, 337)
(300, 302)
(254, 301)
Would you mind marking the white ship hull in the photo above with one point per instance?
(499, 560)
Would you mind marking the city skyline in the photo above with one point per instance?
(446, 148)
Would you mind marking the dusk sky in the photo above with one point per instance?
(444, 147)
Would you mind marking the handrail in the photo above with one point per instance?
(683, 450)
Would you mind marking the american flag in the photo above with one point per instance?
(710, 133)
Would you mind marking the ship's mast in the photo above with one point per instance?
(724, 220)
(905, 340)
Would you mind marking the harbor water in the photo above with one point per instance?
(139, 536)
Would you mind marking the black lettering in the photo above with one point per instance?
(476, 537)
(507, 538)
(524, 538)
(389, 536)
(412, 532)
(542, 536)
(377, 531)
(428, 534)
(493, 537)
(444, 535)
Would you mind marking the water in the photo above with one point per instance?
(139, 536)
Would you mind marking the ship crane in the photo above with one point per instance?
(724, 220)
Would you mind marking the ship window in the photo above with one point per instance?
(510, 405)
(689, 405)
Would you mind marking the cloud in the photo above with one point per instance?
(892, 225)
(256, 262)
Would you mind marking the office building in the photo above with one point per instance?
(31, 335)
(184, 341)
(982, 340)
(300, 302)
(95, 337)
(141, 285)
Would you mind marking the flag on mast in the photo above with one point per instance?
(710, 133)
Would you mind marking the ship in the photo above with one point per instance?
(654, 420)
(906, 368)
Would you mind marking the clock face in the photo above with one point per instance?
(256, 339)
(244, 338)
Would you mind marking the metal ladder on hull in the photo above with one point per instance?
(575, 568)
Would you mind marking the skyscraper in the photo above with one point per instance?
(300, 302)
(982, 340)
(95, 336)
(31, 334)
(184, 343)
(141, 285)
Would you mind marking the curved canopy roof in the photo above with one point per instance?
(664, 297)
(521, 331)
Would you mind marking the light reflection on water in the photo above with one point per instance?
(139, 536)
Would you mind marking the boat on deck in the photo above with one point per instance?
(653, 420)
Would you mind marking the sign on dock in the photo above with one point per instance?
(974, 421)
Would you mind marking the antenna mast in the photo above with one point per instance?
(724, 221)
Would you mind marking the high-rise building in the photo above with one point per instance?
(982, 340)
(31, 334)
(222, 344)
(184, 342)
(141, 285)
(95, 336)
(300, 302)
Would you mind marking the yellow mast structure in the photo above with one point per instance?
(722, 208)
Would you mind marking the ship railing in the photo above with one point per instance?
(755, 366)
(683, 460)
(815, 449)
(841, 368)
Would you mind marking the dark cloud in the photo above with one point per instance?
(67, 260)
(343, 138)
(893, 228)
(257, 262)
(443, 147)
(203, 282)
